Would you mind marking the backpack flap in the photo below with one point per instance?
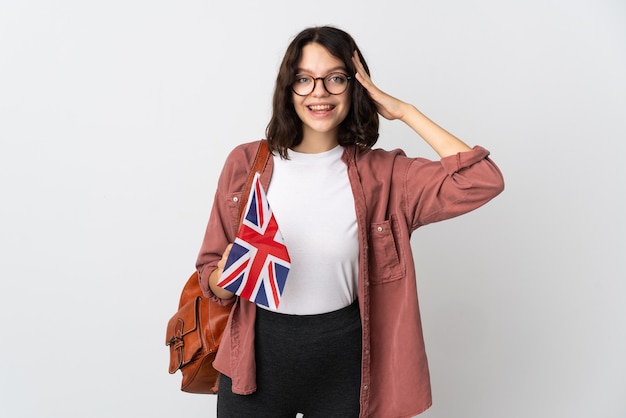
(183, 335)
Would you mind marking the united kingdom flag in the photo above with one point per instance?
(258, 263)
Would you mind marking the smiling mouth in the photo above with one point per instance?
(321, 108)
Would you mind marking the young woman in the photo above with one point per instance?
(346, 340)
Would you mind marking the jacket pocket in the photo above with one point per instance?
(384, 257)
(232, 202)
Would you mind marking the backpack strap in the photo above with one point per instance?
(260, 161)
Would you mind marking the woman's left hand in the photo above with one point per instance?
(388, 106)
(443, 142)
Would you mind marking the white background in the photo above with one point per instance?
(115, 119)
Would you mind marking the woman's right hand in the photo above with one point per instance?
(217, 274)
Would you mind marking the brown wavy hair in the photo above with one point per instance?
(360, 127)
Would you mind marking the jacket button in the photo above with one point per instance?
(380, 229)
(366, 387)
(235, 199)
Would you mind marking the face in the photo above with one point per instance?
(321, 113)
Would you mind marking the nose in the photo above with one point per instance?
(319, 89)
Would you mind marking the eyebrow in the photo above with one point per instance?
(333, 70)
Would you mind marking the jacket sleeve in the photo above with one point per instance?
(222, 225)
(452, 186)
(216, 238)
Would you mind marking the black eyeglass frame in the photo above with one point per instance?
(348, 80)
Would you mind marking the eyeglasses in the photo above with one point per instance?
(334, 83)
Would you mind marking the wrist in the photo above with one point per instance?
(409, 113)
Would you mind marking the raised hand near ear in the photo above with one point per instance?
(388, 106)
(443, 142)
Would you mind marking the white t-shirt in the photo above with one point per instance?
(311, 198)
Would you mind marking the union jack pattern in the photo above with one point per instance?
(258, 263)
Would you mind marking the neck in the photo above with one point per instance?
(316, 142)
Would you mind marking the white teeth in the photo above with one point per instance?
(320, 107)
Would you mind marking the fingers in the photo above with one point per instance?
(361, 74)
(222, 263)
(363, 78)
(388, 106)
(216, 276)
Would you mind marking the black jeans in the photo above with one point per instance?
(309, 364)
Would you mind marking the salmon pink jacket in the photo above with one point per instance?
(393, 196)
